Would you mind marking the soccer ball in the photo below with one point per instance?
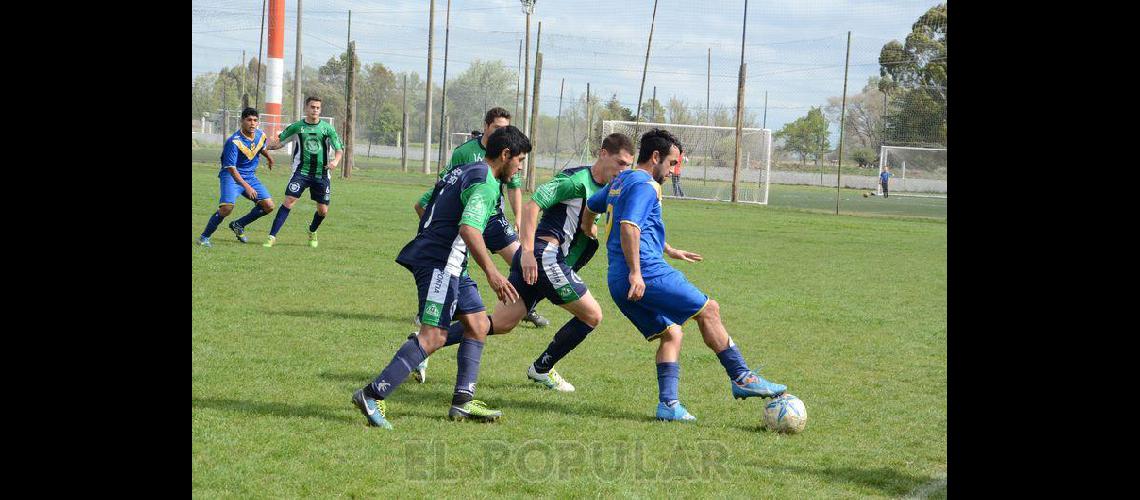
(785, 414)
(865, 195)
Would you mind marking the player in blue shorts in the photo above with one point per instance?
(656, 298)
(239, 165)
(451, 227)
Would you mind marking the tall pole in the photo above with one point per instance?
(653, 110)
(589, 120)
(641, 91)
(443, 98)
(534, 119)
(297, 97)
(348, 37)
(427, 114)
(404, 130)
(708, 118)
(534, 89)
(765, 124)
(350, 112)
(275, 72)
(558, 127)
(526, 76)
(739, 107)
(842, 117)
(518, 80)
(260, 40)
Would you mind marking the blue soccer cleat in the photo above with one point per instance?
(205, 241)
(372, 409)
(674, 412)
(751, 385)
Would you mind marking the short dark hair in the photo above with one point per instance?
(495, 112)
(249, 112)
(312, 98)
(657, 140)
(617, 142)
(507, 138)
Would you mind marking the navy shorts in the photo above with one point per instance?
(319, 187)
(499, 234)
(442, 296)
(669, 300)
(556, 282)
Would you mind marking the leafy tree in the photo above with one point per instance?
(914, 77)
(806, 136)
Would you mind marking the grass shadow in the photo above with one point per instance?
(312, 314)
(888, 481)
(273, 409)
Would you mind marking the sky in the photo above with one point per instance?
(794, 50)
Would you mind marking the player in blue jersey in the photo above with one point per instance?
(655, 297)
(563, 241)
(451, 227)
(238, 176)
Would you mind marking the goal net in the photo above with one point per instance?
(710, 153)
(914, 171)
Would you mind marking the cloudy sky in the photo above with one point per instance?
(794, 49)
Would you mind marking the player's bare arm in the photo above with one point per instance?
(684, 255)
(514, 196)
(478, 250)
(268, 159)
(631, 248)
(527, 226)
(588, 226)
(336, 159)
(419, 209)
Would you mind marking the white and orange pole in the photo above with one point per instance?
(275, 76)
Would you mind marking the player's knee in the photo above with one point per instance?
(672, 336)
(592, 318)
(224, 210)
(267, 206)
(711, 310)
(323, 210)
(477, 328)
(432, 338)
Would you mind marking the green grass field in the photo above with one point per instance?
(849, 311)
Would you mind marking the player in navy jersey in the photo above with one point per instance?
(552, 250)
(451, 227)
(655, 297)
(238, 176)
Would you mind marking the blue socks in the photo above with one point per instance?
(454, 333)
(253, 215)
(668, 374)
(568, 337)
(732, 361)
(406, 359)
(212, 225)
(468, 358)
(317, 219)
(282, 214)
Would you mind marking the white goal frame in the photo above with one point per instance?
(883, 153)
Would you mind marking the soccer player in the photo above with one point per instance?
(564, 240)
(451, 227)
(238, 175)
(656, 298)
(311, 167)
(499, 235)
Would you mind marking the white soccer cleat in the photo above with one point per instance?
(550, 380)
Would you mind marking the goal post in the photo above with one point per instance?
(709, 152)
(915, 171)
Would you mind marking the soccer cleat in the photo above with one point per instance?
(205, 241)
(269, 241)
(373, 409)
(416, 320)
(537, 319)
(238, 231)
(313, 239)
(474, 410)
(420, 372)
(676, 411)
(550, 380)
(751, 385)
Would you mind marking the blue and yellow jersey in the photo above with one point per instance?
(634, 198)
(242, 152)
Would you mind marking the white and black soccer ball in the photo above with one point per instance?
(785, 414)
